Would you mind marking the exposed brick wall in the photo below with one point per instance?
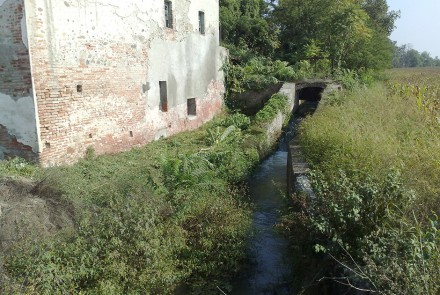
(15, 73)
(15, 83)
(92, 92)
(101, 115)
(10, 147)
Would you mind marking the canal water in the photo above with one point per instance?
(270, 270)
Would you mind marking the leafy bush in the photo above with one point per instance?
(403, 257)
(365, 222)
(215, 226)
(349, 78)
(238, 120)
(220, 135)
(276, 103)
(354, 205)
(254, 73)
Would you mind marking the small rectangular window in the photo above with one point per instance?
(201, 22)
(168, 14)
(191, 106)
(163, 96)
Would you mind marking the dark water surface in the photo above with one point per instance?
(271, 269)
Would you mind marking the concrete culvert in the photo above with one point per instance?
(310, 93)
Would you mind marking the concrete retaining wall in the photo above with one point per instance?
(273, 129)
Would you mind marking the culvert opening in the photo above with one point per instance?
(310, 93)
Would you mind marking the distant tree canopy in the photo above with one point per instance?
(407, 57)
(351, 34)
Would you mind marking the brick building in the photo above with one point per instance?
(107, 74)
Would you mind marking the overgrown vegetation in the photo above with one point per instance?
(276, 41)
(17, 167)
(173, 214)
(170, 214)
(374, 153)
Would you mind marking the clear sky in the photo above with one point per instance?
(419, 24)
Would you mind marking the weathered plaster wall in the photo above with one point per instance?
(18, 129)
(97, 65)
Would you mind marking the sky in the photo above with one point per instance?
(418, 25)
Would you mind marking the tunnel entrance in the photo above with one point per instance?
(310, 93)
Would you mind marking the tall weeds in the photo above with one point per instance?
(375, 158)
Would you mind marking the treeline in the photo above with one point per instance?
(322, 36)
(407, 57)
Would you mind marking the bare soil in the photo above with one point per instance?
(29, 211)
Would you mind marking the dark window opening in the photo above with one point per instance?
(163, 96)
(201, 22)
(79, 88)
(191, 107)
(168, 14)
(131, 133)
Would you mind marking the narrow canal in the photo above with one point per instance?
(270, 271)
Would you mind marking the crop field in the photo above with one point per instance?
(423, 84)
(429, 76)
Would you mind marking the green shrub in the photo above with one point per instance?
(240, 121)
(349, 78)
(277, 103)
(403, 257)
(217, 229)
(219, 135)
(365, 222)
(352, 206)
(254, 73)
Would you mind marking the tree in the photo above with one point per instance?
(405, 56)
(426, 59)
(245, 24)
(380, 16)
(348, 32)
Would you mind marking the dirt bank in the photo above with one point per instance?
(26, 211)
